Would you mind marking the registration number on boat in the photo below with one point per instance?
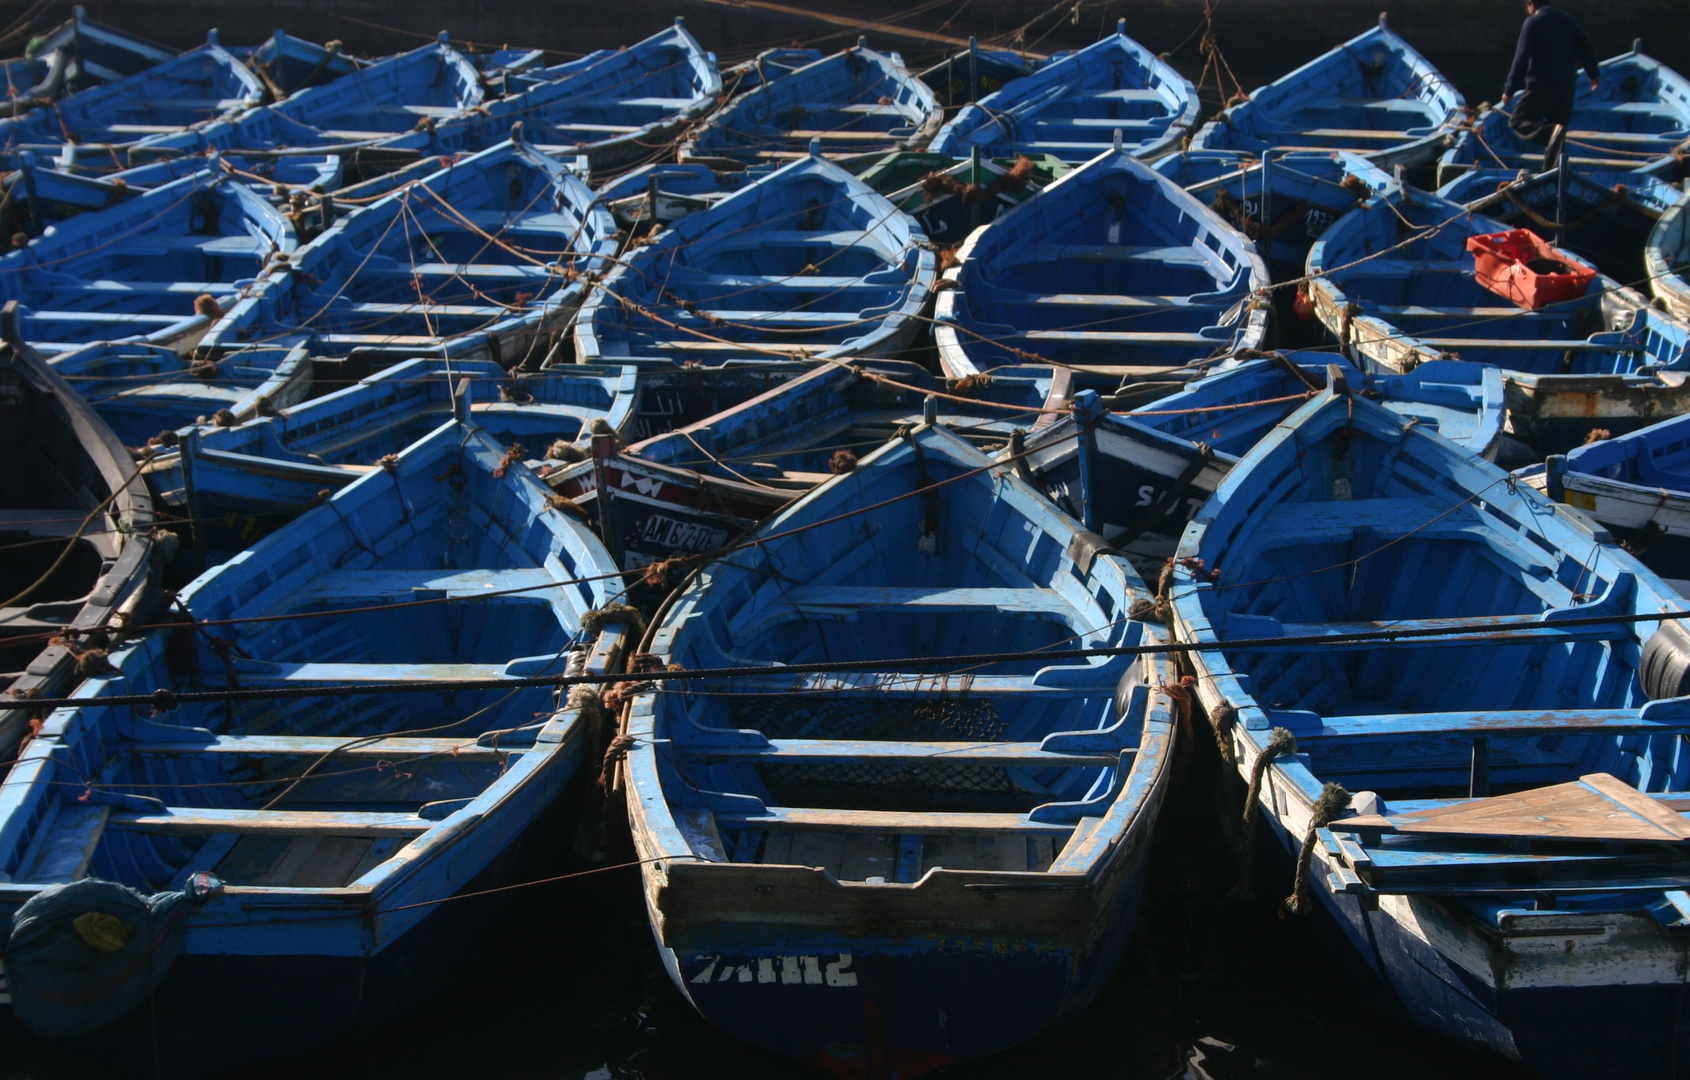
(790, 970)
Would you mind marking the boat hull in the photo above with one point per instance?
(1597, 999)
(963, 971)
(305, 999)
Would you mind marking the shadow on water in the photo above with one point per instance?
(1209, 991)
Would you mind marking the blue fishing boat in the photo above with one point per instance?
(1635, 485)
(288, 64)
(1142, 474)
(1283, 202)
(1393, 280)
(397, 102)
(1640, 113)
(485, 259)
(1374, 95)
(1666, 258)
(319, 836)
(1483, 781)
(646, 512)
(164, 99)
(859, 104)
(1113, 271)
(808, 261)
(77, 525)
(77, 54)
(274, 465)
(43, 195)
(1605, 217)
(806, 430)
(975, 72)
(1113, 92)
(1234, 408)
(142, 391)
(652, 195)
(622, 109)
(941, 864)
(180, 266)
(766, 66)
(950, 199)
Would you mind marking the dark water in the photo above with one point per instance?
(1209, 991)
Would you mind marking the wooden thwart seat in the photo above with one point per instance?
(891, 821)
(344, 748)
(1512, 724)
(1005, 754)
(302, 822)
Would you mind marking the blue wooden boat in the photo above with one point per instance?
(623, 109)
(976, 72)
(166, 98)
(808, 261)
(1113, 271)
(288, 64)
(43, 195)
(397, 102)
(77, 54)
(485, 259)
(1394, 282)
(1605, 217)
(142, 391)
(1639, 114)
(1073, 108)
(325, 832)
(1374, 95)
(646, 512)
(860, 104)
(804, 431)
(942, 864)
(63, 465)
(655, 195)
(1283, 202)
(178, 266)
(1635, 485)
(1480, 801)
(766, 66)
(1143, 473)
(950, 199)
(1666, 259)
(274, 465)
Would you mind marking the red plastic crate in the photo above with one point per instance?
(1521, 266)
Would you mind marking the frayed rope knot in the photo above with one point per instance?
(615, 753)
(565, 451)
(514, 454)
(594, 621)
(1280, 741)
(1333, 801)
(1224, 720)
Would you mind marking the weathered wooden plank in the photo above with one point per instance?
(891, 821)
(187, 820)
(1006, 755)
(313, 745)
(1597, 806)
(1466, 725)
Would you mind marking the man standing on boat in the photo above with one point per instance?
(1553, 46)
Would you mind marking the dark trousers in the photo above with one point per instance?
(1540, 108)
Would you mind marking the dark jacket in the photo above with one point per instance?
(1552, 49)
